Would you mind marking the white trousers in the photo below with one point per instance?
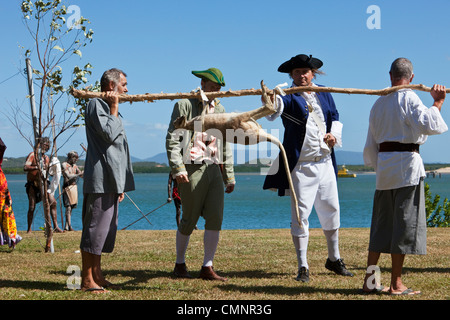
(315, 186)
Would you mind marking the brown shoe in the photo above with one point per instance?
(180, 271)
(207, 273)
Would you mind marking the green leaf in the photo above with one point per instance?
(58, 48)
(78, 52)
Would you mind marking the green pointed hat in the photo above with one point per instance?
(213, 74)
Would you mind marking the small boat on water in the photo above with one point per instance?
(344, 173)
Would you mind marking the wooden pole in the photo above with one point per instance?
(151, 97)
(32, 101)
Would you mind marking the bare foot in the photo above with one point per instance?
(404, 292)
(95, 290)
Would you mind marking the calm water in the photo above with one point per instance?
(248, 207)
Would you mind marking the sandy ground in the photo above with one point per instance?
(443, 170)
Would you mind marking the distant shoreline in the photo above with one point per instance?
(241, 169)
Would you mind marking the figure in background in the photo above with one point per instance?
(174, 195)
(398, 124)
(33, 188)
(71, 173)
(8, 234)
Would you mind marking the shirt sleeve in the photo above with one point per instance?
(424, 120)
(336, 131)
(279, 107)
(106, 126)
(173, 142)
(370, 153)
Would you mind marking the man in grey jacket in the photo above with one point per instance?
(108, 174)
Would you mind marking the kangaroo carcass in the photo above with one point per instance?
(241, 128)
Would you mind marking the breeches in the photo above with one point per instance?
(315, 186)
(202, 196)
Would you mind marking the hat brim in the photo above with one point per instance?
(209, 75)
(300, 61)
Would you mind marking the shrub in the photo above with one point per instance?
(438, 215)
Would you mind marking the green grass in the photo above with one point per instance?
(259, 264)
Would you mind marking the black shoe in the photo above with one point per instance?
(181, 271)
(338, 267)
(303, 275)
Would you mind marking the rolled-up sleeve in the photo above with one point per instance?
(427, 121)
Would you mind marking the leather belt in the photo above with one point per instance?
(316, 159)
(393, 146)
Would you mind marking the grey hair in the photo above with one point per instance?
(401, 68)
(111, 75)
(72, 154)
(44, 140)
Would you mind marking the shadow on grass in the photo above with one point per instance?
(32, 285)
(407, 269)
(287, 291)
(139, 278)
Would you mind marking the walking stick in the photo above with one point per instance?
(146, 215)
(137, 208)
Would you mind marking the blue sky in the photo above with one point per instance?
(159, 43)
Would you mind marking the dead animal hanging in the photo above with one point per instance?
(241, 128)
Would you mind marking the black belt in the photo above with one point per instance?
(398, 147)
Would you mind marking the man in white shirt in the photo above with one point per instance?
(312, 129)
(399, 123)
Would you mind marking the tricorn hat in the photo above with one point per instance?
(212, 74)
(300, 61)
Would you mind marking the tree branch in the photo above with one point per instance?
(151, 97)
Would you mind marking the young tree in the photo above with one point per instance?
(58, 33)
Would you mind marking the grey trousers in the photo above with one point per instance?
(399, 221)
(100, 217)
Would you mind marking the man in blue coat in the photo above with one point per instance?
(312, 129)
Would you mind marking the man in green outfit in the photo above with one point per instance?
(202, 165)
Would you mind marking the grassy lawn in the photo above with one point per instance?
(259, 264)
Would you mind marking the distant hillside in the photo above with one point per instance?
(159, 164)
(246, 156)
(158, 158)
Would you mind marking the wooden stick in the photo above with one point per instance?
(151, 97)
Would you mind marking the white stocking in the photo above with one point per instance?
(301, 248)
(182, 242)
(210, 242)
(333, 244)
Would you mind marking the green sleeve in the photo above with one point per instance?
(177, 140)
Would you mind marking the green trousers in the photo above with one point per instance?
(202, 196)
